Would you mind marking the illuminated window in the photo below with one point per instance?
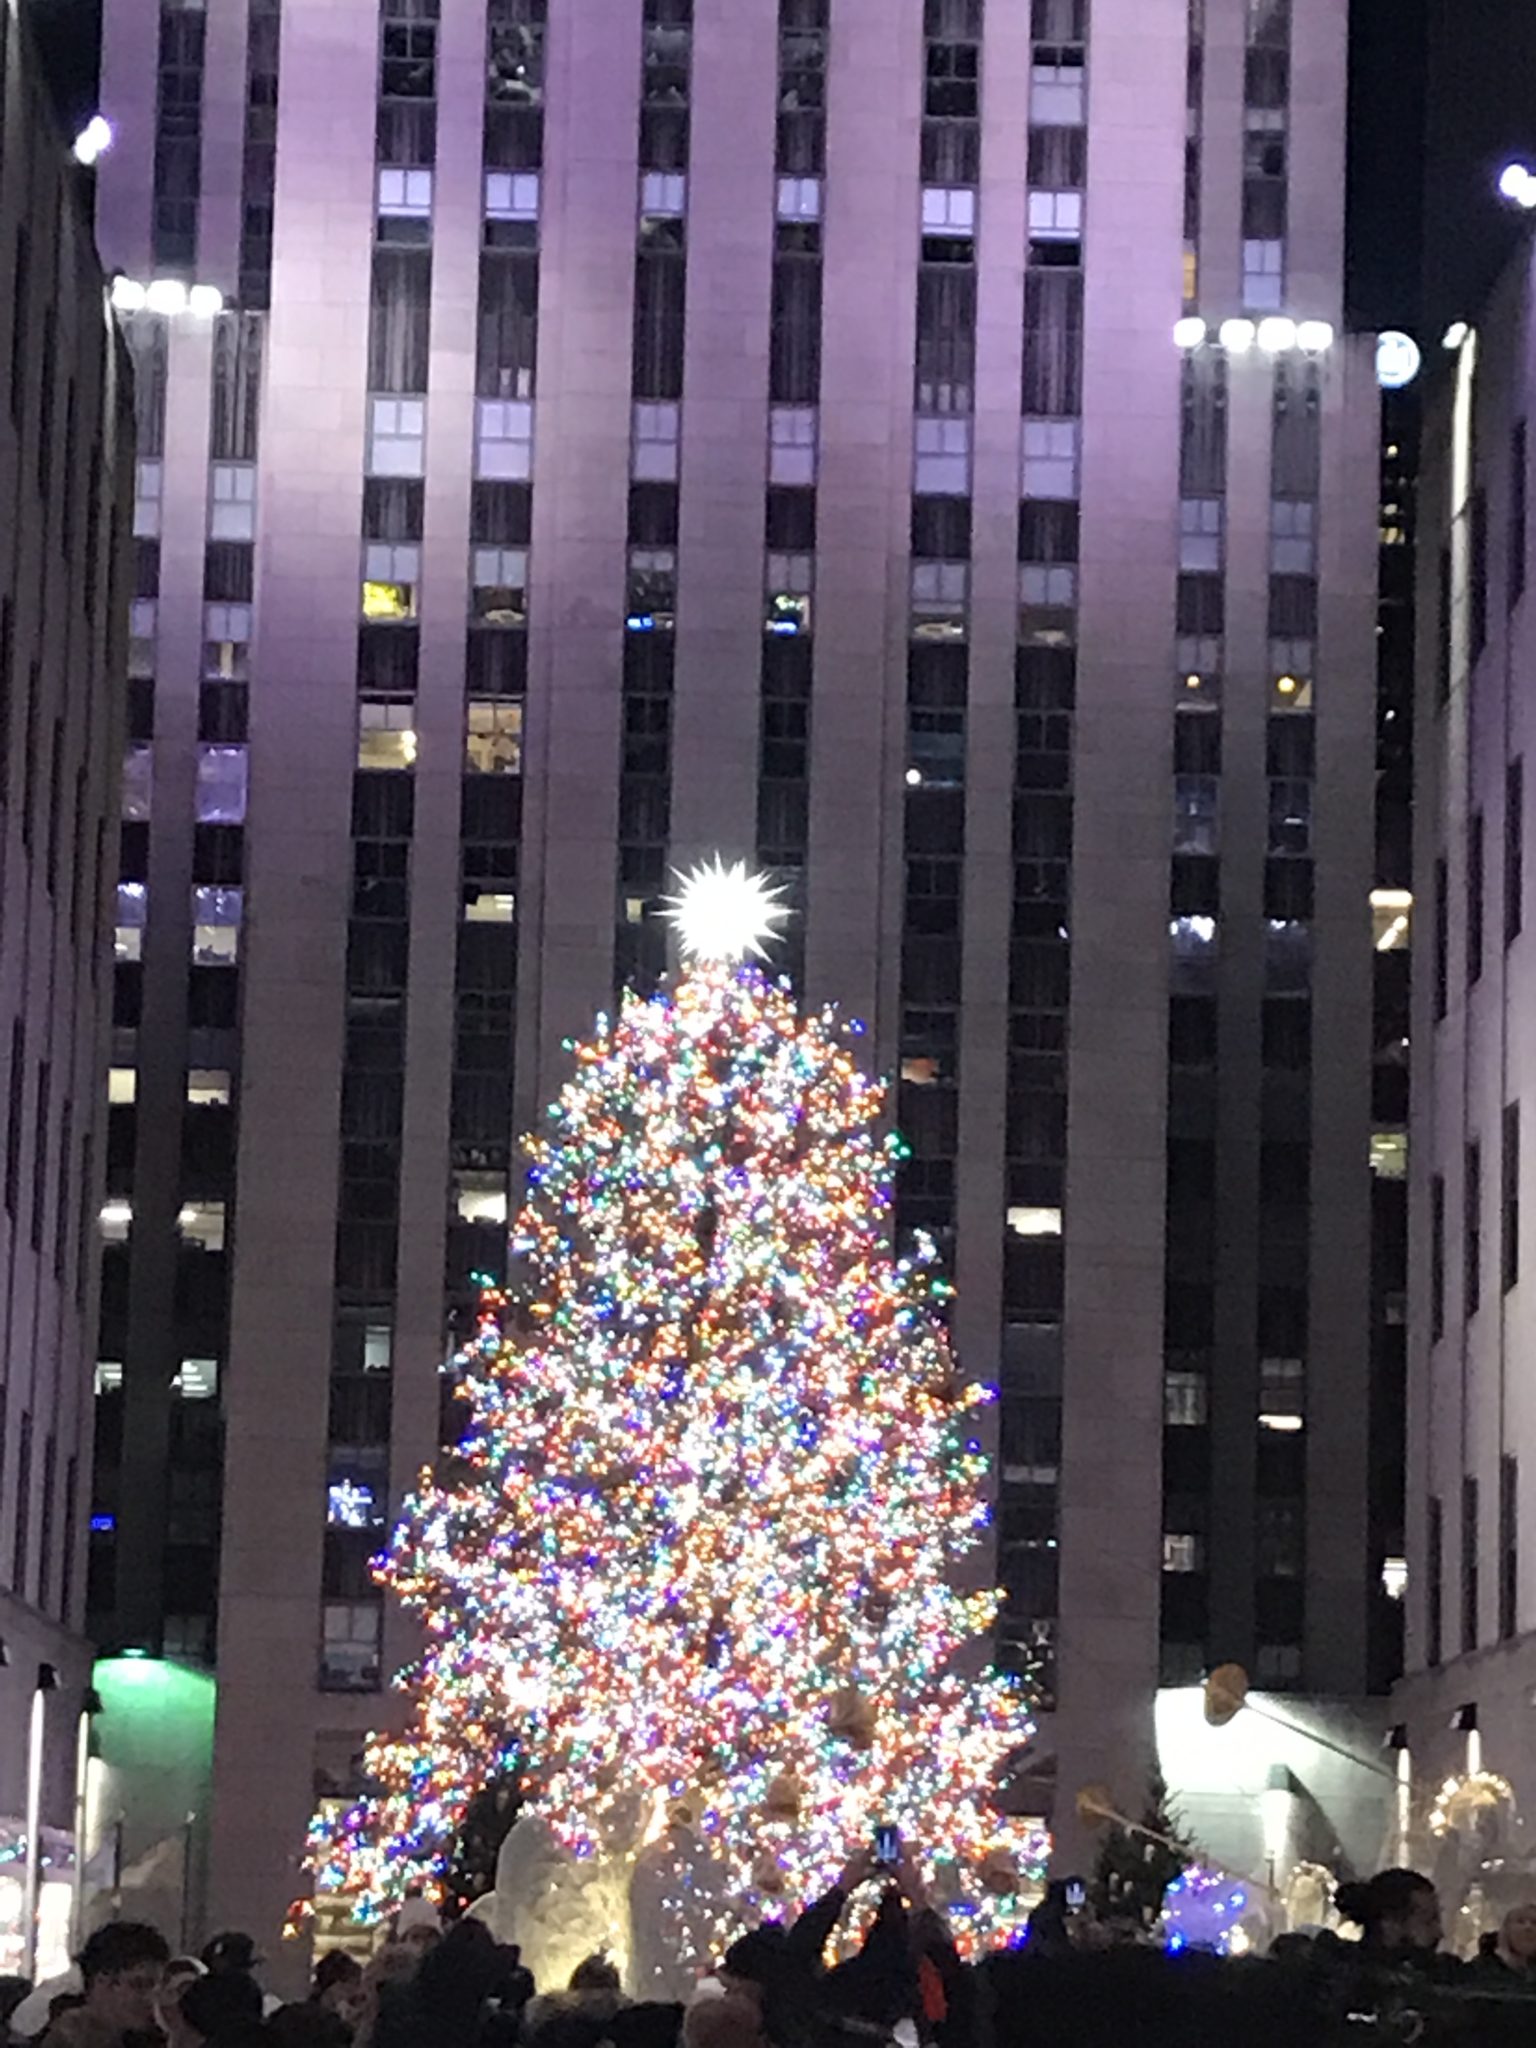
(1056, 92)
(391, 571)
(480, 1197)
(663, 194)
(499, 585)
(1033, 1222)
(132, 913)
(222, 780)
(198, 1379)
(792, 437)
(503, 439)
(1183, 1553)
(216, 917)
(378, 1347)
(349, 1505)
(1055, 216)
(138, 780)
(486, 906)
(799, 199)
(202, 1224)
(406, 194)
(207, 1087)
(651, 596)
(1391, 919)
(493, 736)
(1389, 1155)
(1049, 459)
(1394, 1577)
(397, 433)
(386, 733)
(116, 1220)
(109, 1375)
(790, 580)
(511, 195)
(122, 1085)
(1282, 1394)
(148, 479)
(942, 457)
(1185, 1400)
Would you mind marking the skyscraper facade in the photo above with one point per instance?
(642, 428)
(65, 460)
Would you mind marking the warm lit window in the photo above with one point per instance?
(216, 917)
(386, 733)
(222, 778)
(1389, 1155)
(1391, 919)
(132, 914)
(480, 1197)
(122, 1085)
(499, 585)
(486, 906)
(493, 736)
(1033, 1222)
(391, 570)
(202, 1224)
(207, 1087)
(116, 1220)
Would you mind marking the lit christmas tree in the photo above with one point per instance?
(694, 1562)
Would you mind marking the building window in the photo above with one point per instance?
(1514, 850)
(405, 195)
(791, 445)
(132, 916)
(1049, 464)
(1055, 216)
(1200, 535)
(1509, 1199)
(351, 1637)
(503, 439)
(122, 1086)
(939, 594)
(1509, 1548)
(1469, 1566)
(1282, 1394)
(1475, 898)
(1196, 814)
(1472, 1228)
(1442, 939)
(397, 436)
(942, 465)
(1437, 1258)
(512, 195)
(1263, 276)
(222, 777)
(201, 1223)
(1183, 1553)
(386, 733)
(391, 571)
(499, 586)
(1278, 1664)
(232, 501)
(1056, 91)
(799, 199)
(148, 480)
(1185, 1400)
(493, 736)
(1293, 537)
(216, 916)
(208, 1087)
(654, 449)
(1434, 1619)
(1477, 575)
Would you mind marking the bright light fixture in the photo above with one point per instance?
(1276, 335)
(127, 294)
(204, 300)
(1237, 336)
(1188, 332)
(914, 778)
(1455, 335)
(724, 913)
(1398, 360)
(93, 141)
(166, 295)
(1314, 336)
(1517, 184)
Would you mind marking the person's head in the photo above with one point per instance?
(231, 1950)
(338, 1985)
(1398, 1910)
(180, 1971)
(1517, 1937)
(596, 1973)
(120, 1968)
(734, 2021)
(223, 2006)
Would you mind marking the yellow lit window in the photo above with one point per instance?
(389, 601)
(1391, 919)
(493, 736)
(386, 733)
(122, 1084)
(391, 571)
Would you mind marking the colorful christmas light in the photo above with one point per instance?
(694, 1563)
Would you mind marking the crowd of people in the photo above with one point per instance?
(1077, 1980)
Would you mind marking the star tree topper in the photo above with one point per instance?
(725, 913)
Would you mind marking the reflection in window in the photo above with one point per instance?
(202, 1223)
(221, 785)
(138, 776)
(216, 919)
(132, 915)
(493, 736)
(386, 733)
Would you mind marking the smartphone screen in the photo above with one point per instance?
(887, 1844)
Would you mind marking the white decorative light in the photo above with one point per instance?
(1517, 184)
(1314, 336)
(93, 141)
(204, 300)
(127, 294)
(1276, 334)
(1188, 332)
(166, 295)
(724, 913)
(1237, 336)
(1455, 335)
(1398, 360)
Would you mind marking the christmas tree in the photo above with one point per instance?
(694, 1562)
(1137, 1862)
